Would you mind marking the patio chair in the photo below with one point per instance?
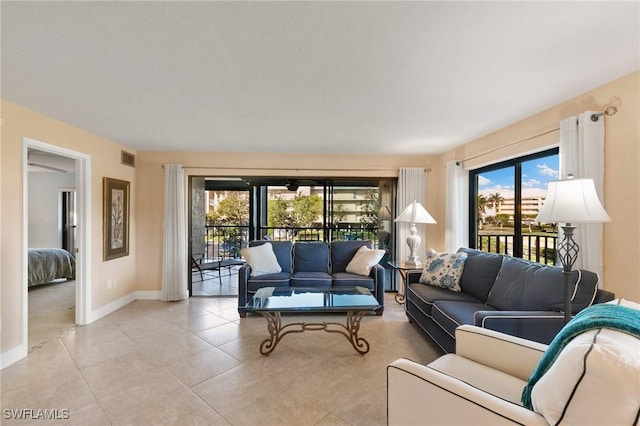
(216, 265)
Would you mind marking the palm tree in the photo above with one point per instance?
(481, 205)
(495, 200)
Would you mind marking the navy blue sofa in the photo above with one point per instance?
(506, 294)
(311, 264)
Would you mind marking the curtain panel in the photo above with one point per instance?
(174, 261)
(456, 207)
(412, 185)
(582, 155)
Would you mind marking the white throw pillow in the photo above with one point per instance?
(364, 259)
(261, 259)
(595, 381)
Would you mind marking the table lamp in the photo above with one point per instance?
(414, 213)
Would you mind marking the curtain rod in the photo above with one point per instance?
(427, 169)
(507, 146)
(285, 169)
(609, 111)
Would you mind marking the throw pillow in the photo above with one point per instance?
(364, 259)
(261, 259)
(598, 368)
(444, 270)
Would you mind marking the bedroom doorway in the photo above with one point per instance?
(56, 188)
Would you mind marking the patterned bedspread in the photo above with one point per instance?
(48, 264)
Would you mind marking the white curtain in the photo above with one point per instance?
(457, 207)
(412, 185)
(174, 265)
(582, 154)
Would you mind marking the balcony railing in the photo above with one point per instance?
(226, 241)
(319, 234)
(537, 248)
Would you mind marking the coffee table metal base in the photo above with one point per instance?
(349, 330)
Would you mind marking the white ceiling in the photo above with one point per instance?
(309, 77)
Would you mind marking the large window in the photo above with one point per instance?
(505, 200)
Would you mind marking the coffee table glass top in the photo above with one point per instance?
(312, 299)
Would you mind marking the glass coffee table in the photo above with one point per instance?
(271, 302)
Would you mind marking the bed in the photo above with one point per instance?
(48, 264)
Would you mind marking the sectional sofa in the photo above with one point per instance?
(510, 295)
(311, 264)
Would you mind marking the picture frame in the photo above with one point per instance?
(115, 218)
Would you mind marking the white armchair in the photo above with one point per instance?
(482, 383)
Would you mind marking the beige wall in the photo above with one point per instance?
(622, 170)
(150, 179)
(622, 164)
(19, 123)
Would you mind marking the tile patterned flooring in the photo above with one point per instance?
(195, 362)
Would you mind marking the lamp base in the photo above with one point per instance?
(413, 263)
(413, 241)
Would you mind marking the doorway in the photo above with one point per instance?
(56, 191)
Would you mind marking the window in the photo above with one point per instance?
(505, 200)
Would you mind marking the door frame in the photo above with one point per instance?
(83, 235)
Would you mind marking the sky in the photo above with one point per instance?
(535, 175)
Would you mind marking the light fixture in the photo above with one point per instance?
(384, 213)
(414, 213)
(571, 201)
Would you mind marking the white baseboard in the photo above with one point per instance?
(123, 301)
(19, 352)
(13, 355)
(149, 295)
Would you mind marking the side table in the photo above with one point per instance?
(403, 268)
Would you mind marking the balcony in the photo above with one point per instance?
(537, 248)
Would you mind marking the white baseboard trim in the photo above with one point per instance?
(123, 301)
(19, 352)
(13, 355)
(149, 295)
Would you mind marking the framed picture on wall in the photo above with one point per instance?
(115, 218)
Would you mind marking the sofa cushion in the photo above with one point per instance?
(598, 368)
(346, 279)
(311, 279)
(311, 256)
(261, 259)
(450, 314)
(522, 285)
(364, 259)
(423, 296)
(444, 270)
(282, 250)
(343, 251)
(268, 280)
(480, 272)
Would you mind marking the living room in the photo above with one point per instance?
(138, 276)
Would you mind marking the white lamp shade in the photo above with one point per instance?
(415, 213)
(572, 201)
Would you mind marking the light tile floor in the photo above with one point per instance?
(196, 362)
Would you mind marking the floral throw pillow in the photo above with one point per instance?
(444, 270)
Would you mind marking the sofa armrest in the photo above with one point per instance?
(513, 355)
(378, 275)
(243, 294)
(539, 326)
(418, 394)
(413, 276)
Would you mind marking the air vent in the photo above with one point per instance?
(128, 159)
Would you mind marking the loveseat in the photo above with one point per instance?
(312, 264)
(506, 294)
(588, 375)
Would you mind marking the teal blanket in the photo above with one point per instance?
(604, 315)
